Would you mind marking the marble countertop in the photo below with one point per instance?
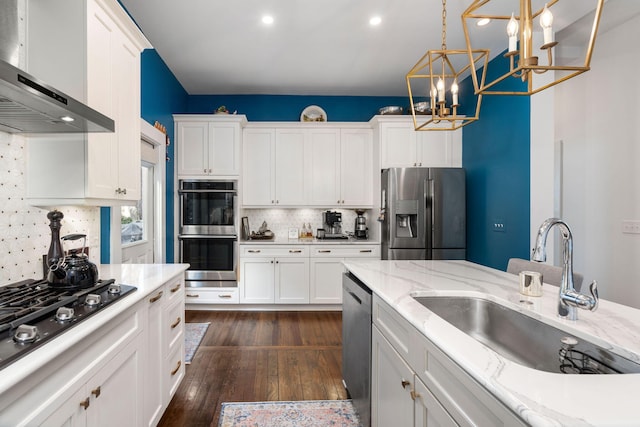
(540, 398)
(145, 277)
(285, 241)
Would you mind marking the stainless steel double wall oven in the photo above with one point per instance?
(208, 233)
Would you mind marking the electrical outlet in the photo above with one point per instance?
(498, 226)
(631, 227)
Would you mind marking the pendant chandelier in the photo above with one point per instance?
(433, 86)
(532, 56)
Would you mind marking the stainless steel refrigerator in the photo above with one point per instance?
(423, 213)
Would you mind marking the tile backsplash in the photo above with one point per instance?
(280, 220)
(24, 229)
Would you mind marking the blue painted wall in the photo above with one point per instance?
(496, 155)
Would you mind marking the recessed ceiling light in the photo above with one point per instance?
(374, 21)
(482, 22)
(267, 19)
(67, 118)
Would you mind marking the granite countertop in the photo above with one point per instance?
(145, 277)
(285, 241)
(540, 398)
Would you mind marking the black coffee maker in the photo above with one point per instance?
(332, 224)
(360, 230)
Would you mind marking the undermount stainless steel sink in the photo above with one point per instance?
(525, 340)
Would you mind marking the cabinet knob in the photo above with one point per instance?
(204, 171)
(272, 202)
(85, 403)
(124, 191)
(405, 383)
(96, 392)
(414, 394)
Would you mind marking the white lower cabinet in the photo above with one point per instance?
(123, 374)
(226, 295)
(416, 384)
(274, 274)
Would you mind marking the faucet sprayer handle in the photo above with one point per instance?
(593, 288)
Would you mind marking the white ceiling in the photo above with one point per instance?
(312, 48)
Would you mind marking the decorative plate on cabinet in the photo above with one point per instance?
(313, 113)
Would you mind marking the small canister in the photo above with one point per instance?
(531, 283)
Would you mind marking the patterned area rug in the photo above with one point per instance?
(311, 413)
(193, 334)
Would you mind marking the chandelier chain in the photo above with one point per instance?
(444, 24)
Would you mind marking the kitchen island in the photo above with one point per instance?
(118, 367)
(536, 397)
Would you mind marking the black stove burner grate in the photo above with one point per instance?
(35, 303)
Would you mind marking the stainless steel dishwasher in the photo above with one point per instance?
(356, 344)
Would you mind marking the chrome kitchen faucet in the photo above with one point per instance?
(568, 298)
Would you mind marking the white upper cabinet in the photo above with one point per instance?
(307, 166)
(402, 146)
(101, 67)
(208, 144)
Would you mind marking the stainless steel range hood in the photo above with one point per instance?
(27, 104)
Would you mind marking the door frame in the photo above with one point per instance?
(153, 136)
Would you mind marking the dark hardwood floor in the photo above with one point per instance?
(259, 356)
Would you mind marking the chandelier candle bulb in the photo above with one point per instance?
(454, 92)
(440, 86)
(512, 32)
(546, 21)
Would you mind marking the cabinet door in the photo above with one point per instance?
(326, 281)
(397, 144)
(292, 281)
(324, 157)
(257, 167)
(70, 413)
(289, 170)
(126, 62)
(224, 149)
(356, 170)
(116, 390)
(155, 352)
(256, 281)
(193, 148)
(391, 384)
(428, 411)
(434, 148)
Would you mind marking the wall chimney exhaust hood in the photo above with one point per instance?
(28, 105)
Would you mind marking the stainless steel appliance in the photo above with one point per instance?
(332, 225)
(208, 236)
(29, 104)
(423, 213)
(32, 312)
(356, 345)
(360, 230)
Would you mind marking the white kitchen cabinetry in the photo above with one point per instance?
(102, 47)
(402, 146)
(226, 295)
(123, 373)
(326, 269)
(410, 371)
(208, 144)
(274, 274)
(299, 165)
(341, 167)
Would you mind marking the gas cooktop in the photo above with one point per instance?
(32, 312)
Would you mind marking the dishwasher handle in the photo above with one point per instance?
(355, 297)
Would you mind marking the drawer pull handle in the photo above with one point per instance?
(176, 323)
(405, 383)
(325, 251)
(177, 288)
(254, 251)
(175, 371)
(415, 395)
(156, 298)
(96, 392)
(224, 296)
(193, 295)
(295, 251)
(365, 251)
(85, 403)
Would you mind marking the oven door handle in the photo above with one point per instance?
(207, 191)
(208, 236)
